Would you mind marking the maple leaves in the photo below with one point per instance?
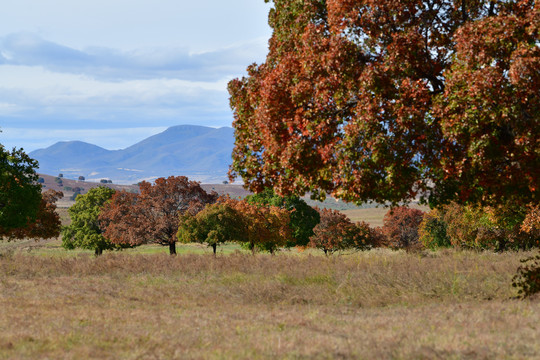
(390, 100)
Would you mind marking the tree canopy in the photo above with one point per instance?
(384, 100)
(85, 230)
(46, 225)
(20, 193)
(153, 215)
(303, 218)
(215, 224)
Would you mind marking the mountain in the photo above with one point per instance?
(198, 152)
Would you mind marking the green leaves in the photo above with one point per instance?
(20, 194)
(85, 231)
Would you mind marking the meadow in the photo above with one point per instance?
(144, 304)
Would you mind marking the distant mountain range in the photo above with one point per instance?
(198, 152)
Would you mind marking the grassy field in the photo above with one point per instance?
(374, 216)
(144, 304)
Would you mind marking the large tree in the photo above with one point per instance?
(387, 100)
(20, 193)
(152, 216)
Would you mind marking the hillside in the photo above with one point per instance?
(200, 153)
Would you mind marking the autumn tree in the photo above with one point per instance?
(390, 100)
(152, 216)
(215, 224)
(46, 225)
(303, 218)
(85, 230)
(336, 231)
(401, 228)
(263, 227)
(20, 193)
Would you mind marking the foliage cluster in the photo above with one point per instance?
(256, 225)
(527, 279)
(25, 212)
(85, 230)
(390, 100)
(337, 232)
(303, 218)
(475, 227)
(152, 216)
(400, 228)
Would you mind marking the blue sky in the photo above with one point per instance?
(113, 72)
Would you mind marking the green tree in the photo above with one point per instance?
(20, 192)
(85, 231)
(303, 218)
(215, 224)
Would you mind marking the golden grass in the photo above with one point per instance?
(378, 304)
(374, 216)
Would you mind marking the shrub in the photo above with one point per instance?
(400, 226)
(528, 277)
(494, 228)
(303, 218)
(433, 230)
(336, 232)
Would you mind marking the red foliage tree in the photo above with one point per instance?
(153, 215)
(336, 232)
(400, 226)
(386, 100)
(47, 224)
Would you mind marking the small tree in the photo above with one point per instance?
(334, 232)
(81, 178)
(400, 225)
(433, 230)
(265, 227)
(303, 218)
(153, 215)
(85, 230)
(214, 225)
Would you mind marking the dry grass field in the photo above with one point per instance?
(374, 216)
(373, 305)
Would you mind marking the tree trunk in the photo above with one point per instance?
(325, 252)
(252, 248)
(214, 247)
(98, 251)
(172, 248)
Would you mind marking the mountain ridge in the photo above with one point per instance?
(198, 152)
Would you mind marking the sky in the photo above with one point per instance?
(113, 72)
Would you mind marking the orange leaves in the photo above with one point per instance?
(378, 100)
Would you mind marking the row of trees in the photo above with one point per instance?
(176, 209)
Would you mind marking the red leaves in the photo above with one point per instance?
(152, 216)
(384, 100)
